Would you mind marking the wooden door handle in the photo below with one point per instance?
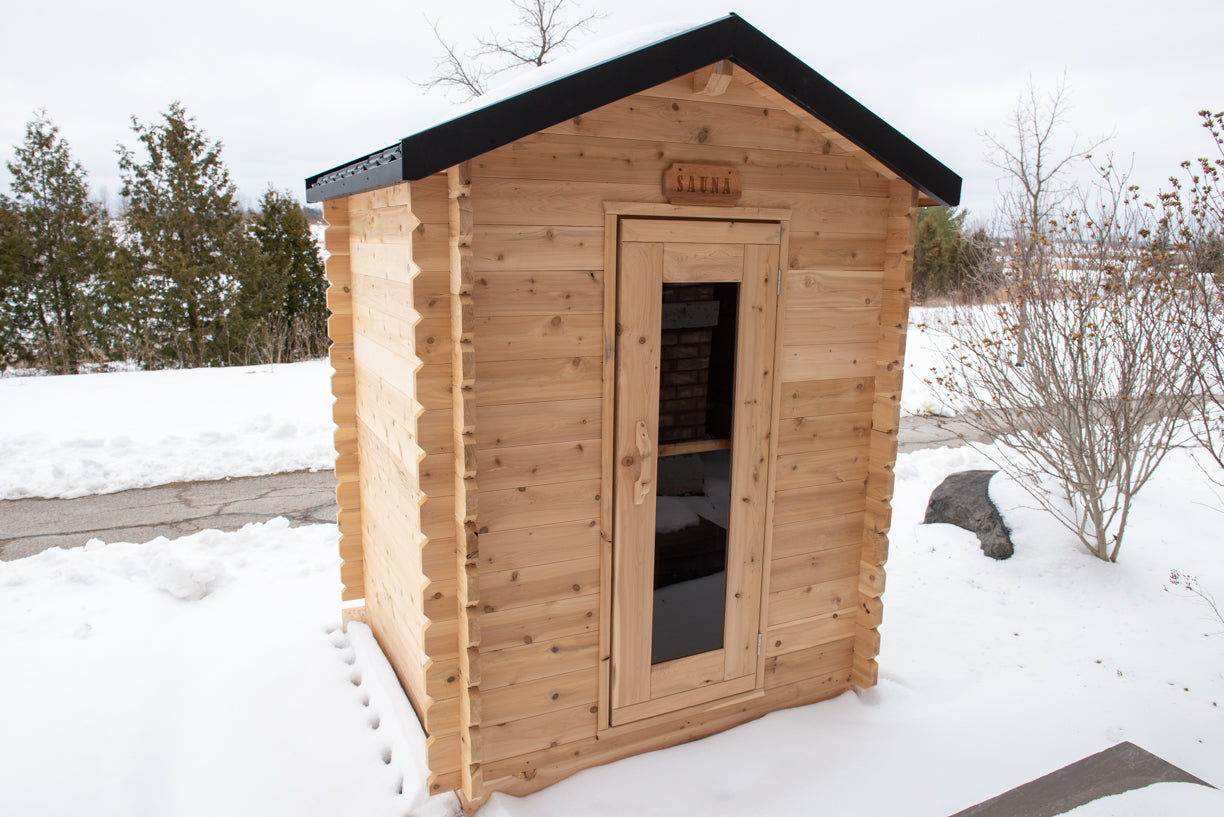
(645, 449)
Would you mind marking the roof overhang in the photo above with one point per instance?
(728, 38)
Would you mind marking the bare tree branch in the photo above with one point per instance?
(455, 70)
(545, 29)
(546, 32)
(1035, 165)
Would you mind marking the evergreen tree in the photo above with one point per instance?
(15, 304)
(944, 257)
(57, 247)
(186, 241)
(286, 293)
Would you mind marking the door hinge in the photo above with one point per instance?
(759, 637)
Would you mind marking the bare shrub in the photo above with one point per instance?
(1189, 586)
(1192, 231)
(1098, 399)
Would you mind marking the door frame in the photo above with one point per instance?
(744, 688)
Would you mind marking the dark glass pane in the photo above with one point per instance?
(693, 488)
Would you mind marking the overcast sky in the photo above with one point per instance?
(295, 88)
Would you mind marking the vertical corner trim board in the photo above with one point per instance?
(886, 410)
(463, 408)
(344, 388)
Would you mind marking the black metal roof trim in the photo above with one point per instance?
(382, 168)
(729, 38)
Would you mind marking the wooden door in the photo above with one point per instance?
(691, 471)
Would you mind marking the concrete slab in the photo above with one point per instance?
(918, 432)
(28, 526)
(1122, 768)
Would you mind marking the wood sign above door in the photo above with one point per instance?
(716, 185)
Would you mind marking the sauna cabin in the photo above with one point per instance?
(618, 366)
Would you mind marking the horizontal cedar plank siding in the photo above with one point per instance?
(637, 161)
(529, 662)
(556, 203)
(530, 771)
(650, 118)
(551, 188)
(539, 545)
(526, 586)
(534, 337)
(406, 607)
(538, 300)
(506, 426)
(539, 464)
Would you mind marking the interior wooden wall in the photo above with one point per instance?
(537, 279)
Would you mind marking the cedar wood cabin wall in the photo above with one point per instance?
(524, 237)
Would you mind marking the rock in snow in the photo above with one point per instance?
(963, 499)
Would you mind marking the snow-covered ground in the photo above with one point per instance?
(924, 345)
(74, 435)
(207, 675)
(97, 433)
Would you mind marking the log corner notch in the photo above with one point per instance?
(463, 382)
(886, 411)
(344, 389)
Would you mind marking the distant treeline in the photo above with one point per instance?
(186, 277)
